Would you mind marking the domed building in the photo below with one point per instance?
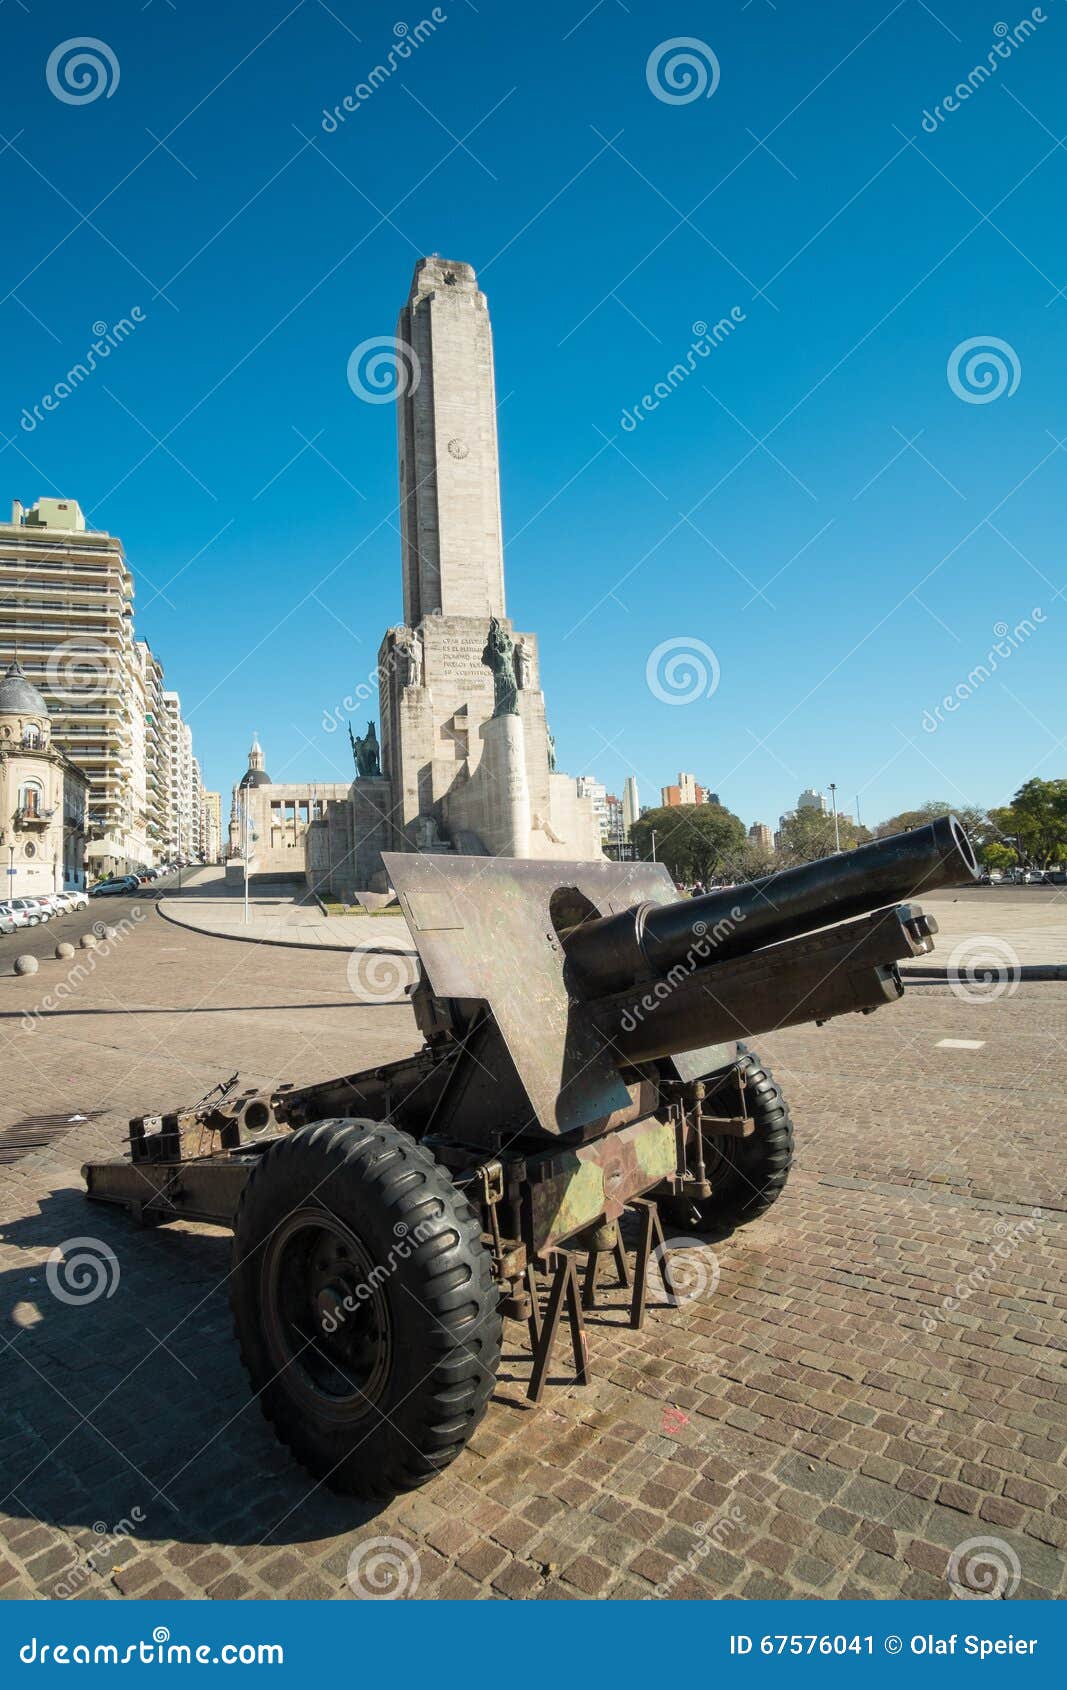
(255, 774)
(280, 824)
(42, 797)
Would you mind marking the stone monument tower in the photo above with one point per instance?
(466, 761)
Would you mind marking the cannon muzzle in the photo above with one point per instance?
(650, 940)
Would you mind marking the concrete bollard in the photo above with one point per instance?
(26, 965)
(88, 941)
(108, 932)
(63, 950)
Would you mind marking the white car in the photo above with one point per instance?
(24, 912)
(76, 898)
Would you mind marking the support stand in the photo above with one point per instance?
(563, 1289)
(650, 1238)
(622, 1268)
(564, 1294)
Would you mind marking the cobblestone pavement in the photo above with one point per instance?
(875, 1382)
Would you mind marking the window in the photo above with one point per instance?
(31, 737)
(31, 798)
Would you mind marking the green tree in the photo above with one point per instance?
(752, 862)
(1037, 819)
(996, 855)
(974, 819)
(810, 834)
(695, 841)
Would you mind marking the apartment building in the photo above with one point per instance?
(66, 616)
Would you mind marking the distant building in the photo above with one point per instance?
(811, 800)
(615, 831)
(42, 797)
(283, 825)
(631, 809)
(760, 834)
(212, 827)
(595, 790)
(687, 791)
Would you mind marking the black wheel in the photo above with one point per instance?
(365, 1306)
(747, 1174)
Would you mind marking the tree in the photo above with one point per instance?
(752, 862)
(975, 821)
(810, 833)
(1036, 820)
(695, 841)
(996, 855)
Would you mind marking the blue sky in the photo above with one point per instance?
(817, 503)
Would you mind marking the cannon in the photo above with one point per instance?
(580, 1058)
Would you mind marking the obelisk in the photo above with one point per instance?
(453, 560)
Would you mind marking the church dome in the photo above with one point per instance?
(255, 777)
(19, 696)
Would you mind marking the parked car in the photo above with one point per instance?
(76, 898)
(55, 903)
(26, 912)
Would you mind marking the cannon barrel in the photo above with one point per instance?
(612, 952)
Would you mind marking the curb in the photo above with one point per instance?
(1028, 971)
(286, 944)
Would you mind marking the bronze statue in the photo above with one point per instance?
(499, 656)
(551, 749)
(366, 753)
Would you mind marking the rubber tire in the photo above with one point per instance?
(443, 1303)
(749, 1174)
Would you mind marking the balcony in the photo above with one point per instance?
(32, 817)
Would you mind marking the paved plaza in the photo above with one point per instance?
(868, 1380)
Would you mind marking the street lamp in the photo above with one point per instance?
(653, 844)
(837, 825)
